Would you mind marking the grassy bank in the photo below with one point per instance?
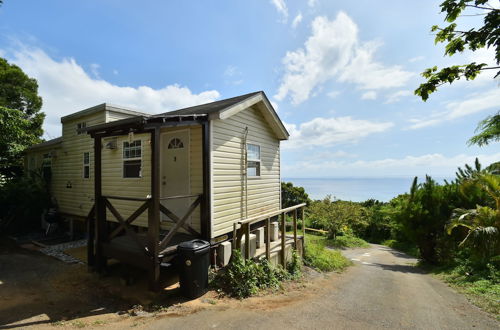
(318, 256)
(481, 288)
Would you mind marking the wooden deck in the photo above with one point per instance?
(125, 249)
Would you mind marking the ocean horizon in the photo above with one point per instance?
(357, 189)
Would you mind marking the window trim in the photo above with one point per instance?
(86, 165)
(254, 160)
(131, 158)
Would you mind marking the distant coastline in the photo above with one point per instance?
(357, 189)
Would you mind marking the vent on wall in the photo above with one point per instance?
(111, 144)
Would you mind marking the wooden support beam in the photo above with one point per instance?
(154, 212)
(303, 228)
(205, 216)
(100, 208)
(91, 238)
(295, 228)
(283, 240)
(247, 240)
(268, 239)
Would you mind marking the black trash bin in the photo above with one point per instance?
(194, 261)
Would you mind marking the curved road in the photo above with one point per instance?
(382, 291)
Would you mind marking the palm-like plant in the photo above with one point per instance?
(483, 222)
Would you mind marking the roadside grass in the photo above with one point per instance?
(347, 241)
(407, 248)
(482, 289)
(341, 242)
(320, 258)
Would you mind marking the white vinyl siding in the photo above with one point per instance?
(228, 170)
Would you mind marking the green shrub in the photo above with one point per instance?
(294, 267)
(243, 278)
(23, 201)
(323, 259)
(347, 241)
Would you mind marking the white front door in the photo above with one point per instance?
(175, 171)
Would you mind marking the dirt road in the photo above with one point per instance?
(383, 290)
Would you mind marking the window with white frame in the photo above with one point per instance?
(132, 158)
(253, 160)
(86, 165)
(80, 126)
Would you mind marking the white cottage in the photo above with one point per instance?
(145, 182)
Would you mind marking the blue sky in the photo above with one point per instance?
(341, 74)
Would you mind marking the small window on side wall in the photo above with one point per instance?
(47, 166)
(132, 159)
(253, 160)
(80, 126)
(86, 165)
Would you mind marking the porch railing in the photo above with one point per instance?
(125, 225)
(243, 228)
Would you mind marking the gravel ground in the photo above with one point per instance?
(57, 251)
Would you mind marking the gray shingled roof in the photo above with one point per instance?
(209, 108)
(46, 143)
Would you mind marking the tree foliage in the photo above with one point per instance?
(20, 116)
(483, 222)
(338, 217)
(488, 131)
(291, 195)
(487, 35)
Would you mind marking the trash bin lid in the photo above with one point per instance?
(194, 245)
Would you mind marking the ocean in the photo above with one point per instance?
(356, 189)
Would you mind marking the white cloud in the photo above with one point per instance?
(331, 131)
(433, 164)
(297, 20)
(281, 8)
(65, 88)
(370, 95)
(94, 68)
(328, 155)
(416, 59)
(334, 51)
(333, 94)
(312, 3)
(395, 97)
(231, 70)
(456, 109)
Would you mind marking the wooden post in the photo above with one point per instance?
(154, 212)
(235, 237)
(205, 219)
(91, 238)
(268, 239)
(100, 208)
(295, 228)
(303, 230)
(283, 240)
(247, 241)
